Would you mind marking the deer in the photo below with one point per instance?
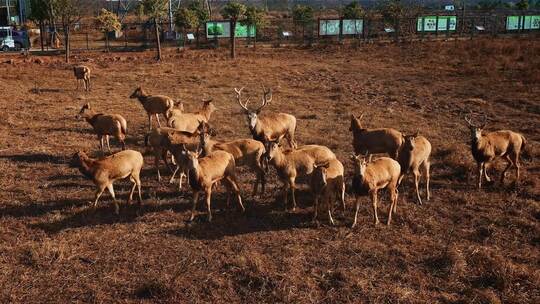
(159, 138)
(153, 104)
(190, 121)
(105, 125)
(105, 171)
(270, 126)
(82, 73)
(246, 152)
(206, 171)
(289, 165)
(328, 184)
(488, 147)
(414, 154)
(381, 140)
(372, 176)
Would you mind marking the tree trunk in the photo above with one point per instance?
(158, 44)
(107, 41)
(233, 40)
(197, 41)
(41, 34)
(66, 41)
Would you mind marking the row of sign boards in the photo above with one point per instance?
(335, 27)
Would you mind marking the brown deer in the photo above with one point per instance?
(413, 155)
(488, 147)
(381, 140)
(105, 171)
(328, 184)
(370, 177)
(190, 121)
(82, 73)
(153, 104)
(105, 125)
(270, 126)
(205, 172)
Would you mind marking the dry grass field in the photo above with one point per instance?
(463, 246)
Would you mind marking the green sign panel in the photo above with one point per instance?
(353, 26)
(436, 23)
(222, 29)
(329, 27)
(522, 23)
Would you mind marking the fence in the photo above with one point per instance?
(142, 35)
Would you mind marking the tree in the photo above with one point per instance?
(108, 22)
(522, 5)
(233, 11)
(254, 20)
(392, 11)
(185, 19)
(155, 10)
(303, 15)
(69, 13)
(39, 13)
(203, 15)
(352, 10)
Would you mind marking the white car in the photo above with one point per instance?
(6, 39)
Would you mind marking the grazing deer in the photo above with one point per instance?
(190, 121)
(370, 177)
(205, 172)
(413, 154)
(381, 140)
(82, 73)
(105, 125)
(490, 146)
(246, 152)
(153, 104)
(289, 165)
(270, 126)
(328, 184)
(105, 171)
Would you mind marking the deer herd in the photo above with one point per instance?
(186, 141)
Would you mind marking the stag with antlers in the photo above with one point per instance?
(490, 146)
(271, 126)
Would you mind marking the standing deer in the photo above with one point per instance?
(488, 147)
(153, 104)
(413, 155)
(381, 140)
(105, 171)
(328, 184)
(270, 126)
(205, 172)
(82, 73)
(190, 121)
(370, 177)
(105, 125)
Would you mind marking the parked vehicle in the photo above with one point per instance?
(13, 39)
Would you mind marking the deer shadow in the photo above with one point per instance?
(33, 158)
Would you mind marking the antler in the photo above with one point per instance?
(469, 120)
(238, 96)
(265, 100)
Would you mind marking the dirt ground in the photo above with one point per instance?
(463, 246)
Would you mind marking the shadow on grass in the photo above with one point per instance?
(40, 208)
(33, 158)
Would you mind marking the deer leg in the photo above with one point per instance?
(508, 165)
(329, 207)
(357, 203)
(100, 137)
(286, 194)
(315, 207)
(293, 187)
(158, 122)
(99, 192)
(342, 197)
(208, 192)
(426, 172)
(231, 180)
(194, 207)
(171, 180)
(486, 166)
(156, 164)
(480, 173)
(149, 122)
(393, 205)
(107, 141)
(416, 174)
(111, 191)
(374, 202)
(132, 189)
